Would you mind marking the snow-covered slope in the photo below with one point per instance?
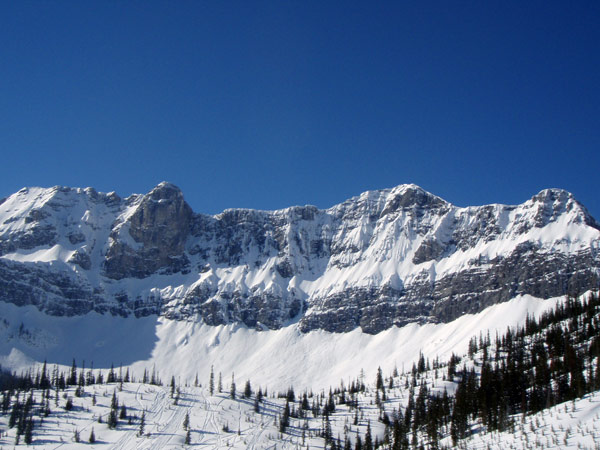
(210, 417)
(274, 358)
(217, 421)
(384, 258)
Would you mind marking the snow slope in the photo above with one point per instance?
(277, 358)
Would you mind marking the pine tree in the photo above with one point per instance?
(15, 412)
(256, 405)
(327, 434)
(368, 438)
(112, 415)
(211, 381)
(186, 421)
(112, 419)
(232, 391)
(379, 381)
(28, 438)
(123, 412)
(114, 403)
(358, 442)
(248, 389)
(73, 377)
(92, 437)
(285, 418)
(142, 424)
(44, 381)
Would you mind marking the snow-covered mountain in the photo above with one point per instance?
(384, 258)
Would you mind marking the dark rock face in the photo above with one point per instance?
(385, 258)
(55, 292)
(36, 236)
(82, 259)
(372, 309)
(160, 224)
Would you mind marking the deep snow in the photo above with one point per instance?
(277, 358)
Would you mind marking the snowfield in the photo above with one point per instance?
(274, 358)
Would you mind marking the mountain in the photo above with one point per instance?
(387, 257)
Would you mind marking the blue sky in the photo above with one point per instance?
(271, 104)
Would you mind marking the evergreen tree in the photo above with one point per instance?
(44, 380)
(327, 434)
(379, 380)
(368, 438)
(291, 395)
(123, 412)
(73, 377)
(211, 381)
(92, 437)
(256, 405)
(15, 412)
(358, 442)
(28, 438)
(112, 415)
(285, 417)
(232, 390)
(142, 424)
(304, 405)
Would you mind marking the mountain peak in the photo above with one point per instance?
(553, 194)
(165, 191)
(409, 196)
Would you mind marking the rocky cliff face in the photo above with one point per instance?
(384, 258)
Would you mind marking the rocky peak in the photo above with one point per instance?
(550, 204)
(160, 223)
(162, 217)
(409, 196)
(165, 191)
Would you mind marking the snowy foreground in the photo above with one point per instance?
(218, 421)
(324, 366)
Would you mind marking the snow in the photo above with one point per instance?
(277, 358)
(570, 425)
(217, 421)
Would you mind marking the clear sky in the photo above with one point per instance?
(278, 103)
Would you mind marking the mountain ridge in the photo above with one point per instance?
(385, 257)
